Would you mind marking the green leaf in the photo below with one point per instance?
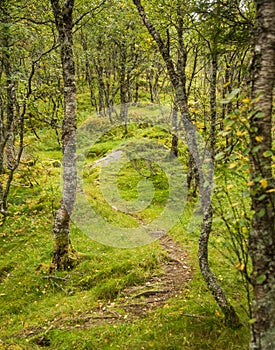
(231, 96)
(252, 320)
(262, 197)
(259, 115)
(261, 213)
(256, 149)
(267, 154)
(219, 156)
(260, 279)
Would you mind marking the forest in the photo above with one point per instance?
(137, 189)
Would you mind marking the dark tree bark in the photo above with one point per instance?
(124, 98)
(11, 123)
(175, 141)
(7, 101)
(262, 236)
(63, 15)
(100, 77)
(88, 71)
(150, 78)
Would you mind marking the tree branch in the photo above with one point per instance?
(161, 45)
(88, 12)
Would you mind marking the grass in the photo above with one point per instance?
(38, 311)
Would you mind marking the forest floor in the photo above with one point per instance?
(135, 301)
(148, 296)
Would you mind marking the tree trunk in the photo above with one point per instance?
(231, 318)
(124, 98)
(262, 236)
(178, 79)
(150, 76)
(100, 77)
(88, 72)
(7, 118)
(136, 91)
(101, 91)
(62, 244)
(174, 144)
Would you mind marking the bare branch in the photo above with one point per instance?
(88, 12)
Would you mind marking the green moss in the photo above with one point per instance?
(42, 311)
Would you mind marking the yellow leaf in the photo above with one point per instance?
(240, 266)
(232, 165)
(244, 230)
(250, 183)
(246, 100)
(200, 125)
(264, 183)
(217, 313)
(259, 138)
(270, 191)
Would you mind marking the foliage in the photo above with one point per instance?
(37, 309)
(113, 53)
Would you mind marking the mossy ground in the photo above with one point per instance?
(38, 310)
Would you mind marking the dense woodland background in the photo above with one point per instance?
(205, 70)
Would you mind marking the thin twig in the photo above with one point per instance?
(191, 315)
(150, 292)
(56, 277)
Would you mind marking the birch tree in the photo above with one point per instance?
(63, 15)
(262, 237)
(177, 77)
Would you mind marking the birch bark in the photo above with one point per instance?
(262, 237)
(63, 15)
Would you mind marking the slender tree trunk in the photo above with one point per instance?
(88, 72)
(124, 98)
(64, 24)
(175, 144)
(101, 90)
(100, 77)
(7, 155)
(136, 91)
(231, 318)
(150, 75)
(262, 236)
(178, 80)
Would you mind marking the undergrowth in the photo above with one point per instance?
(40, 310)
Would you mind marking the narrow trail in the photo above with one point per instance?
(137, 301)
(141, 299)
(134, 302)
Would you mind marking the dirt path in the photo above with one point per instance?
(135, 301)
(141, 299)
